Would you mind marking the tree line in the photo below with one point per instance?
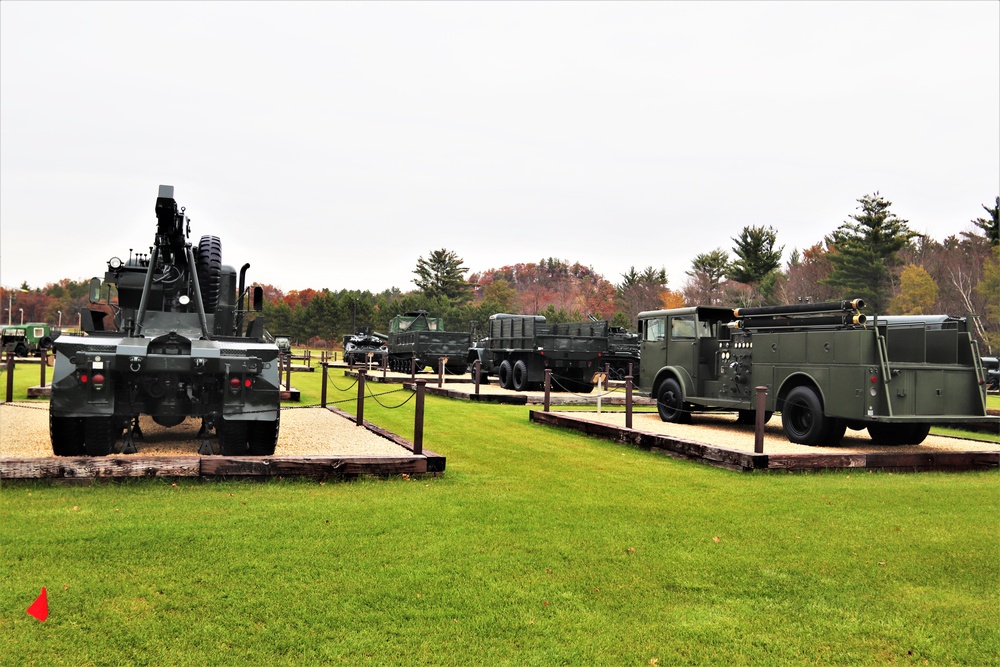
(874, 254)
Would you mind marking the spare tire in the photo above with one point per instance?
(209, 265)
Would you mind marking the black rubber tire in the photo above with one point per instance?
(750, 417)
(519, 376)
(505, 374)
(45, 343)
(99, 435)
(670, 402)
(66, 434)
(233, 437)
(209, 264)
(20, 350)
(898, 434)
(838, 427)
(803, 419)
(263, 437)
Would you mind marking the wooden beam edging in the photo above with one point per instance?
(86, 467)
(688, 449)
(745, 461)
(435, 462)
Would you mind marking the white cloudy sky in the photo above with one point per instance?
(332, 144)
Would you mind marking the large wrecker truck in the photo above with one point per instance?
(825, 366)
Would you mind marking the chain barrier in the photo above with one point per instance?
(385, 393)
(17, 404)
(329, 381)
(556, 378)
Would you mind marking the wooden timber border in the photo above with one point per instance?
(227, 467)
(748, 461)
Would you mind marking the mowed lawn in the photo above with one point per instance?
(536, 547)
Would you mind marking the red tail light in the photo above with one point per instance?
(234, 383)
(98, 378)
(84, 378)
(248, 383)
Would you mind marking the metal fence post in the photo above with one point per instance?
(628, 399)
(361, 397)
(548, 388)
(413, 367)
(475, 374)
(758, 434)
(607, 375)
(418, 419)
(322, 391)
(43, 360)
(10, 377)
(288, 371)
(442, 361)
(385, 365)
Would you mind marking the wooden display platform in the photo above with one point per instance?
(222, 467)
(741, 460)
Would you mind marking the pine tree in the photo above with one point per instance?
(865, 253)
(756, 255)
(441, 275)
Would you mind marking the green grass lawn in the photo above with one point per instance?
(537, 547)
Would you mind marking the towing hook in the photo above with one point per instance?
(135, 364)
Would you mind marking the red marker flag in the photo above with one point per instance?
(40, 607)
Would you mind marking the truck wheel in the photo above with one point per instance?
(504, 374)
(20, 350)
(209, 265)
(838, 427)
(45, 343)
(232, 437)
(264, 437)
(99, 435)
(670, 402)
(519, 377)
(750, 417)
(898, 434)
(66, 434)
(803, 419)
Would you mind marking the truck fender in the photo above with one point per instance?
(679, 373)
(797, 380)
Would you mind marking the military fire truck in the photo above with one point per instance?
(826, 368)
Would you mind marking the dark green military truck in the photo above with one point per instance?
(32, 338)
(519, 348)
(825, 367)
(180, 345)
(416, 336)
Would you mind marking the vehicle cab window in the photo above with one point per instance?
(682, 327)
(654, 330)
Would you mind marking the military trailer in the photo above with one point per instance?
(358, 346)
(28, 339)
(825, 367)
(180, 345)
(417, 336)
(518, 349)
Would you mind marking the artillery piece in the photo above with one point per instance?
(180, 345)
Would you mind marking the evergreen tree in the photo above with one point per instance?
(756, 255)
(441, 275)
(991, 225)
(864, 253)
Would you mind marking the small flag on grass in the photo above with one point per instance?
(40, 607)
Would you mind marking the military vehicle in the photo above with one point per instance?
(28, 339)
(358, 346)
(623, 349)
(416, 335)
(825, 368)
(181, 346)
(518, 349)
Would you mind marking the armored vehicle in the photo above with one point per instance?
(416, 335)
(825, 367)
(518, 349)
(180, 346)
(28, 339)
(358, 346)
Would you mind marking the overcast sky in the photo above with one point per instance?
(333, 144)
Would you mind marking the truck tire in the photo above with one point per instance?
(898, 434)
(263, 437)
(209, 265)
(20, 350)
(519, 377)
(803, 419)
(504, 374)
(750, 417)
(99, 435)
(67, 436)
(233, 437)
(670, 402)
